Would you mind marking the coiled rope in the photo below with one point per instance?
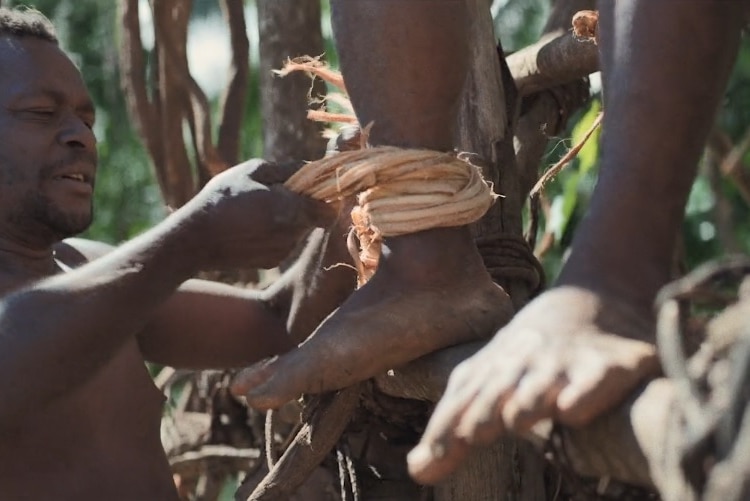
(398, 191)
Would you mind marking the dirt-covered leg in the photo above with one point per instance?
(581, 347)
(404, 63)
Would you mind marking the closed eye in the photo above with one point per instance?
(88, 122)
(45, 113)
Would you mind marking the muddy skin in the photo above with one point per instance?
(404, 63)
(580, 348)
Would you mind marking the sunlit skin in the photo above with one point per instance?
(80, 415)
(42, 108)
(581, 347)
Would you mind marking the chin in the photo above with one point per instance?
(53, 220)
(69, 224)
(77, 225)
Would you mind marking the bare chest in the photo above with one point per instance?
(99, 442)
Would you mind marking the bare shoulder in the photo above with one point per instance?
(74, 252)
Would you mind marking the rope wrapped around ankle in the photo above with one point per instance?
(398, 191)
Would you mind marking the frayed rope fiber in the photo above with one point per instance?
(398, 191)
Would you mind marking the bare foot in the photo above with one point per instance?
(431, 290)
(567, 356)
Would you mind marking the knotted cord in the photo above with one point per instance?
(509, 257)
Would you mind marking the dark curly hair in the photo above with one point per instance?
(26, 22)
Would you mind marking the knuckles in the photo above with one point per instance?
(249, 222)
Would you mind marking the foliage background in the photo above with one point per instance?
(128, 200)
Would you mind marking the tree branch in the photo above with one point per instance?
(319, 433)
(235, 95)
(196, 108)
(556, 59)
(132, 68)
(734, 168)
(545, 113)
(170, 27)
(209, 161)
(226, 458)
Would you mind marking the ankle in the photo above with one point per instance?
(432, 256)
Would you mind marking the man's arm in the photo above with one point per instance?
(208, 324)
(57, 332)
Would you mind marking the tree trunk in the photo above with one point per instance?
(289, 29)
(511, 469)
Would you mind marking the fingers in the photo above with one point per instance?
(594, 390)
(481, 422)
(584, 399)
(269, 173)
(254, 385)
(533, 369)
(463, 417)
(440, 451)
(606, 371)
(534, 397)
(348, 139)
(292, 210)
(320, 214)
(300, 212)
(429, 463)
(283, 171)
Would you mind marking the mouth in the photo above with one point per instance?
(74, 175)
(81, 178)
(79, 173)
(76, 182)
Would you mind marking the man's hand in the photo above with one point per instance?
(247, 218)
(566, 356)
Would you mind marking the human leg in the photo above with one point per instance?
(404, 67)
(578, 349)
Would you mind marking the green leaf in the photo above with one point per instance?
(589, 154)
(563, 207)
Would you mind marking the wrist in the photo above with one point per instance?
(186, 237)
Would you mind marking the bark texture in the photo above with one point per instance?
(289, 29)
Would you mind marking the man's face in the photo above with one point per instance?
(47, 148)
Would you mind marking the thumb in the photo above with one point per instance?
(303, 211)
(321, 214)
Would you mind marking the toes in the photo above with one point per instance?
(264, 385)
(267, 397)
(251, 377)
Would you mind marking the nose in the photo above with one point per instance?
(75, 133)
